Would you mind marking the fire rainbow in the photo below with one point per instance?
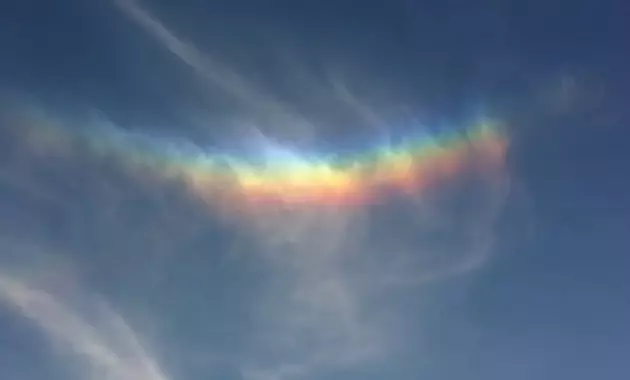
(297, 179)
(290, 177)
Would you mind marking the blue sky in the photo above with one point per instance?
(107, 272)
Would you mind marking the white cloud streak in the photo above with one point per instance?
(98, 337)
(212, 73)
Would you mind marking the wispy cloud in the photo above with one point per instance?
(328, 271)
(81, 324)
(269, 111)
(327, 306)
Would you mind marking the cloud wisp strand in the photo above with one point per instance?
(82, 325)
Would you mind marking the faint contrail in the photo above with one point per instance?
(207, 68)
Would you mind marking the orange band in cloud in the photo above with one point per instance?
(291, 177)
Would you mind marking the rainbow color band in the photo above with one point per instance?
(296, 179)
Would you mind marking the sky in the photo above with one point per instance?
(317, 190)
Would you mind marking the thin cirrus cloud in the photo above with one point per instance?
(322, 307)
(76, 323)
(215, 75)
(328, 269)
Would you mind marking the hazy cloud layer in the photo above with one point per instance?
(302, 290)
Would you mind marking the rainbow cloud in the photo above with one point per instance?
(288, 177)
(320, 302)
(279, 175)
